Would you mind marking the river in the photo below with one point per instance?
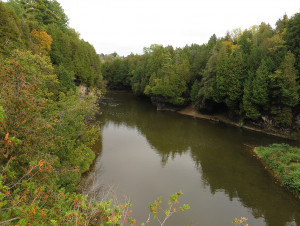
(144, 154)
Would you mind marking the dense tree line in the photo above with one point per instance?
(46, 124)
(42, 27)
(251, 74)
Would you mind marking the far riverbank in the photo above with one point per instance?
(191, 111)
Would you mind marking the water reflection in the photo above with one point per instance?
(219, 153)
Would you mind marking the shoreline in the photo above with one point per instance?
(277, 179)
(191, 111)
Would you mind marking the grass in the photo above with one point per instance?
(284, 160)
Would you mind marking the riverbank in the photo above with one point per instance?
(191, 111)
(282, 163)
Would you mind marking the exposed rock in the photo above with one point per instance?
(83, 89)
(267, 122)
(297, 122)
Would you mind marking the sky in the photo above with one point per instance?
(127, 26)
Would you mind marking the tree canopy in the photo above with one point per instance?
(45, 122)
(251, 74)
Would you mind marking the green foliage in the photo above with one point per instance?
(65, 78)
(256, 93)
(230, 75)
(250, 73)
(77, 57)
(117, 73)
(41, 26)
(284, 161)
(40, 13)
(2, 115)
(284, 91)
(10, 30)
(16, 7)
(207, 88)
(47, 125)
(283, 116)
(249, 108)
(155, 208)
(61, 208)
(41, 68)
(283, 82)
(167, 82)
(160, 74)
(292, 37)
(45, 144)
(194, 92)
(260, 86)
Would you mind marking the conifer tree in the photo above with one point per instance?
(260, 93)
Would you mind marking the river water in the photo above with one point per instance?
(144, 154)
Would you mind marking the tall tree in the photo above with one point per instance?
(284, 91)
(167, 83)
(260, 93)
(250, 109)
(293, 39)
(9, 30)
(230, 75)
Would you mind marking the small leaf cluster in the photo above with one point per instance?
(155, 208)
(241, 221)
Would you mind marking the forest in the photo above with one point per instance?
(47, 125)
(250, 75)
(50, 85)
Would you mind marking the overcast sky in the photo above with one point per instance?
(127, 26)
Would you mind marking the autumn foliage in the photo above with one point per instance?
(41, 40)
(46, 125)
(38, 139)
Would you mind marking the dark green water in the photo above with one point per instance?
(146, 153)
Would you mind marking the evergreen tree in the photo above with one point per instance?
(230, 75)
(260, 93)
(284, 85)
(284, 90)
(167, 83)
(9, 30)
(292, 38)
(248, 107)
